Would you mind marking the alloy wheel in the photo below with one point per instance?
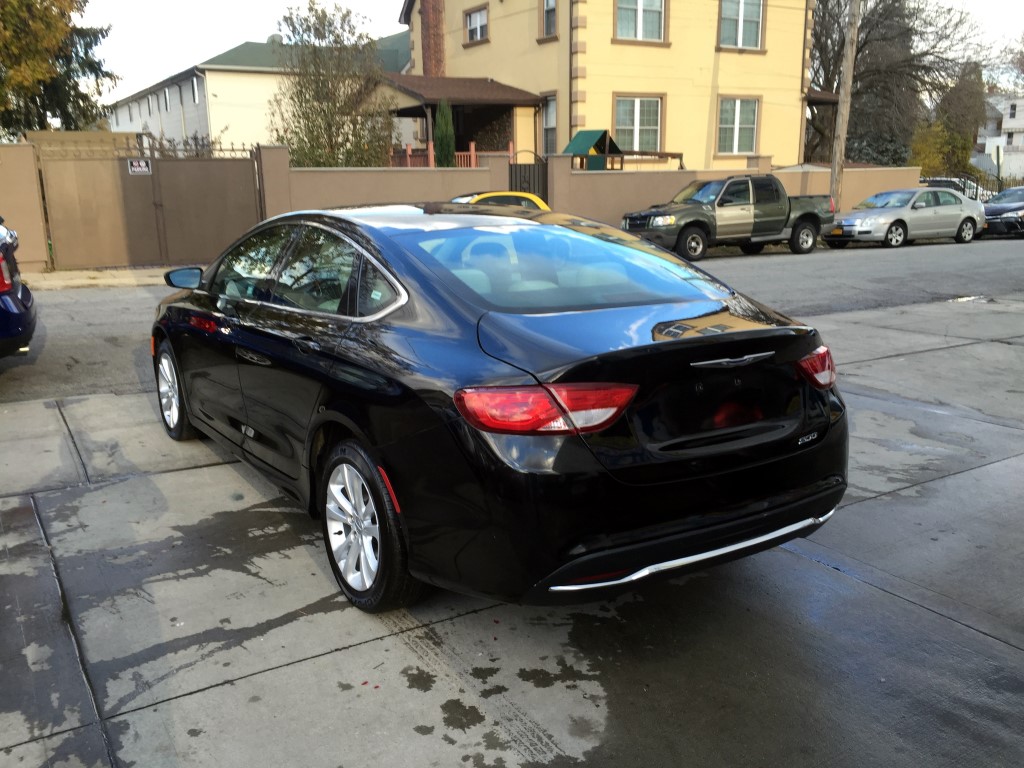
(352, 527)
(169, 391)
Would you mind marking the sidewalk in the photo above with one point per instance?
(95, 278)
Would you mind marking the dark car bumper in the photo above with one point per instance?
(17, 321)
(664, 236)
(580, 534)
(1004, 227)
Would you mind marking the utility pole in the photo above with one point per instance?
(843, 111)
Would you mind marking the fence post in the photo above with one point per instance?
(408, 155)
(472, 154)
(511, 153)
(430, 154)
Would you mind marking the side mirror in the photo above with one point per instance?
(186, 277)
(919, 204)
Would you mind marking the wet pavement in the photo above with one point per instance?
(162, 605)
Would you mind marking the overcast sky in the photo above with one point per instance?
(147, 44)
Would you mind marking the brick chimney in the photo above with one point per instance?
(432, 37)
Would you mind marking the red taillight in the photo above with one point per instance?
(6, 283)
(819, 368)
(831, 204)
(554, 409)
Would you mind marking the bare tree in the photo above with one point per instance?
(909, 53)
(329, 110)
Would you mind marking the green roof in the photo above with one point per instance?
(591, 142)
(393, 51)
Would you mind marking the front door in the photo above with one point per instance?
(734, 212)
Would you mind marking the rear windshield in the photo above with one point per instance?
(536, 269)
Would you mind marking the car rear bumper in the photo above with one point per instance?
(580, 534)
(17, 321)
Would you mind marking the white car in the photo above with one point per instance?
(901, 216)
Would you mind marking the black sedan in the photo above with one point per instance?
(17, 305)
(518, 404)
(1004, 213)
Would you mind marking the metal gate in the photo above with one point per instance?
(529, 177)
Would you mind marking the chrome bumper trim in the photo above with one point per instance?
(690, 559)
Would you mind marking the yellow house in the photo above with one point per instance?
(717, 80)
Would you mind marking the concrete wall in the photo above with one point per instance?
(606, 195)
(286, 189)
(21, 204)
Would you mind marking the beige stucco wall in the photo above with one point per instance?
(606, 195)
(688, 72)
(21, 204)
(239, 106)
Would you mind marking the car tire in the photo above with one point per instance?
(967, 231)
(895, 235)
(751, 249)
(692, 244)
(173, 413)
(837, 244)
(804, 237)
(361, 532)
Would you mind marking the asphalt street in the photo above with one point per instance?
(162, 605)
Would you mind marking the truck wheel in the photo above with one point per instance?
(692, 244)
(752, 249)
(804, 238)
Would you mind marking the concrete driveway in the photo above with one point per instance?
(162, 605)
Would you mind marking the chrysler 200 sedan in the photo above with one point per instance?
(900, 216)
(518, 404)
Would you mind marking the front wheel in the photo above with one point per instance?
(895, 236)
(804, 238)
(966, 231)
(174, 417)
(692, 244)
(360, 526)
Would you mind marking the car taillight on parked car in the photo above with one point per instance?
(819, 368)
(6, 283)
(552, 409)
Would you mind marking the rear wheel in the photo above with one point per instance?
(361, 534)
(896, 235)
(172, 403)
(804, 237)
(692, 244)
(966, 231)
(752, 249)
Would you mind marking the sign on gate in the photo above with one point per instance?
(140, 167)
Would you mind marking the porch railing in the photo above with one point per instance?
(420, 157)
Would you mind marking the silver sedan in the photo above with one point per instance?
(903, 215)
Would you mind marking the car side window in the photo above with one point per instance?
(376, 293)
(737, 193)
(244, 273)
(317, 274)
(925, 200)
(948, 198)
(765, 191)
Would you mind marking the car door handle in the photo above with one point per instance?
(306, 344)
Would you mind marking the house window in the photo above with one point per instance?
(740, 24)
(149, 104)
(638, 124)
(195, 91)
(737, 126)
(638, 19)
(167, 99)
(1009, 139)
(1013, 111)
(549, 117)
(131, 119)
(476, 25)
(549, 27)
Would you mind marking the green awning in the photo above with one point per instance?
(595, 142)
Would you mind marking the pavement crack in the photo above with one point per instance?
(74, 443)
(76, 641)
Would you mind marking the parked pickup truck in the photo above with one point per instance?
(748, 211)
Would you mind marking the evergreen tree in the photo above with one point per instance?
(444, 137)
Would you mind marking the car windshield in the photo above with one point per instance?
(886, 200)
(527, 268)
(699, 192)
(1008, 197)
